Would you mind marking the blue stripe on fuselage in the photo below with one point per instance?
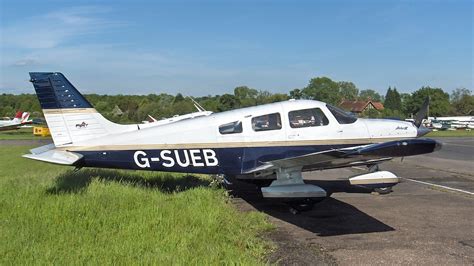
(229, 161)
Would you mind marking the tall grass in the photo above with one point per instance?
(52, 215)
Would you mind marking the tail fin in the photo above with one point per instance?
(70, 117)
(17, 118)
(423, 112)
(24, 117)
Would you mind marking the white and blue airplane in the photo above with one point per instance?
(275, 142)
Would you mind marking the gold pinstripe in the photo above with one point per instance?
(226, 144)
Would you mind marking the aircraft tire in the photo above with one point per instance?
(383, 190)
(303, 205)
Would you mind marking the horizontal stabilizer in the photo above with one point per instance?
(49, 154)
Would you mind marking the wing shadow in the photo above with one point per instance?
(331, 217)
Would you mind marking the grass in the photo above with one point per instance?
(22, 133)
(451, 133)
(52, 215)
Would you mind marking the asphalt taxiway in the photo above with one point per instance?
(427, 220)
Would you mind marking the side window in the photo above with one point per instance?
(266, 122)
(231, 128)
(313, 117)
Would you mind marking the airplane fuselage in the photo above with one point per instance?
(232, 142)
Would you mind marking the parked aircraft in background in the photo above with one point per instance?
(274, 142)
(452, 122)
(21, 119)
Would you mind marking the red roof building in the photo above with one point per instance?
(359, 106)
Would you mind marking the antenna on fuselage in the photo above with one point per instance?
(197, 105)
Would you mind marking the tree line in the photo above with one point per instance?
(135, 108)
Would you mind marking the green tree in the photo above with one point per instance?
(348, 90)
(278, 97)
(462, 102)
(397, 100)
(439, 101)
(296, 94)
(322, 89)
(388, 103)
(366, 94)
(227, 102)
(393, 100)
(245, 96)
(405, 99)
(178, 98)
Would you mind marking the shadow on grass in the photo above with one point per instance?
(77, 182)
(330, 217)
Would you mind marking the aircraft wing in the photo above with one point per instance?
(360, 155)
(10, 127)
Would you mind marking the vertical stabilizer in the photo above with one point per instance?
(70, 117)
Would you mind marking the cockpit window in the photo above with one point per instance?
(231, 128)
(266, 122)
(312, 117)
(341, 116)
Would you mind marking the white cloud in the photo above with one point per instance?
(53, 29)
(25, 62)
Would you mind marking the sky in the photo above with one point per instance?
(210, 47)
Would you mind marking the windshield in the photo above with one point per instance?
(341, 116)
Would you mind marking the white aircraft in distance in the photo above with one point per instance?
(21, 119)
(275, 142)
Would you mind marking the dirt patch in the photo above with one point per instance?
(290, 251)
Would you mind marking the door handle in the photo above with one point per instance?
(292, 136)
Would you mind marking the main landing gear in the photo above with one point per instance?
(290, 188)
